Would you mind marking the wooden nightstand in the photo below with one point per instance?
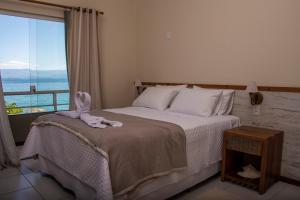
(260, 147)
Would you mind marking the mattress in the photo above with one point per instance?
(204, 141)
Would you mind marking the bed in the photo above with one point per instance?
(59, 154)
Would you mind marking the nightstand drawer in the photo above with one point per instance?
(244, 145)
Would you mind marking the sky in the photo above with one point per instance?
(31, 43)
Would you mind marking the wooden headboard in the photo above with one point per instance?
(234, 87)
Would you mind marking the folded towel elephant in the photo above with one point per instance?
(82, 102)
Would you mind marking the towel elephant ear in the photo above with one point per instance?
(86, 101)
(77, 100)
(82, 101)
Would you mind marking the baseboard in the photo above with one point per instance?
(289, 180)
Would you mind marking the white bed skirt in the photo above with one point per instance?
(83, 191)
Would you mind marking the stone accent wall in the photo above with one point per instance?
(279, 110)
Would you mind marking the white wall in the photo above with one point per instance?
(219, 41)
(212, 41)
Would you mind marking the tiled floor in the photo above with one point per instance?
(214, 189)
(22, 183)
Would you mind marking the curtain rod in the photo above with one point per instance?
(56, 5)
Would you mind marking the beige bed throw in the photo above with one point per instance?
(139, 150)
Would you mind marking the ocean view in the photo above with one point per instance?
(33, 53)
(20, 80)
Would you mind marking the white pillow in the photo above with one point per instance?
(227, 102)
(219, 103)
(175, 87)
(196, 102)
(155, 97)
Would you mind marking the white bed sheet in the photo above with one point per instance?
(204, 141)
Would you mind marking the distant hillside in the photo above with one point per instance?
(24, 75)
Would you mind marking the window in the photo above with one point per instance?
(33, 64)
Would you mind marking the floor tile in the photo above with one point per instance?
(29, 166)
(25, 194)
(214, 194)
(13, 183)
(38, 178)
(247, 194)
(214, 189)
(201, 188)
(9, 172)
(25, 170)
(251, 194)
(45, 187)
(48, 187)
(290, 192)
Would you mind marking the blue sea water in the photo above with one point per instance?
(16, 81)
(41, 101)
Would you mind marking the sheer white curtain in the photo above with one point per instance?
(83, 53)
(8, 152)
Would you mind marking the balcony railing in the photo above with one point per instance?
(54, 94)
